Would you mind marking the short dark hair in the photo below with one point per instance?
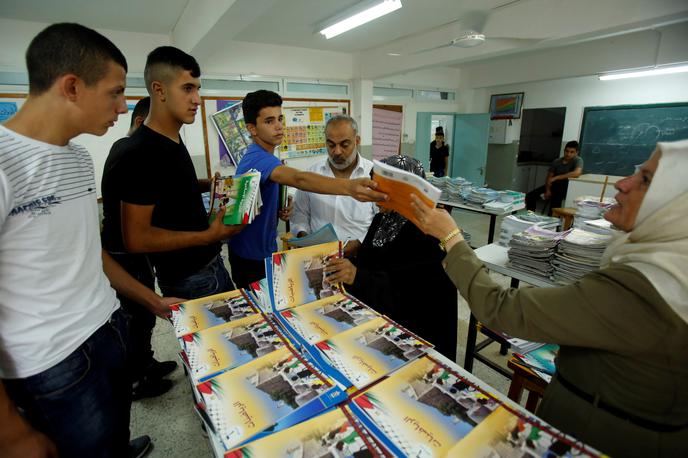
(141, 108)
(572, 144)
(65, 48)
(165, 58)
(256, 101)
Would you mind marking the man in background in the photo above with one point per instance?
(554, 189)
(162, 209)
(439, 154)
(349, 217)
(146, 371)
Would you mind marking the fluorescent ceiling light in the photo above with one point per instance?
(352, 20)
(639, 73)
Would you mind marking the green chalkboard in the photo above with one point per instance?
(615, 139)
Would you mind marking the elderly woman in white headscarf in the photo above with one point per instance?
(622, 371)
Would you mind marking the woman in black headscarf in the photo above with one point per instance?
(398, 271)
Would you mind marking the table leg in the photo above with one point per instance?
(516, 388)
(490, 234)
(532, 401)
(470, 343)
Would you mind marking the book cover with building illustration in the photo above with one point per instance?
(239, 194)
(279, 389)
(334, 434)
(224, 347)
(297, 276)
(205, 312)
(506, 434)
(371, 350)
(423, 409)
(324, 318)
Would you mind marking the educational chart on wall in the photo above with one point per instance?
(230, 125)
(304, 130)
(615, 139)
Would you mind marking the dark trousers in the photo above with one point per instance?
(245, 271)
(142, 320)
(558, 190)
(211, 279)
(83, 402)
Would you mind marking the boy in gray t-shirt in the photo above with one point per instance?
(563, 168)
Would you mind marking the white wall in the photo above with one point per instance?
(577, 93)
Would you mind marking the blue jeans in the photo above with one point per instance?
(83, 402)
(211, 279)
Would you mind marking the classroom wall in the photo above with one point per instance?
(577, 93)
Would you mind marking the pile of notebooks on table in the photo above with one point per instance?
(578, 253)
(295, 366)
(454, 189)
(532, 250)
(512, 224)
(540, 360)
(590, 208)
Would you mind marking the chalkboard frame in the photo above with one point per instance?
(588, 110)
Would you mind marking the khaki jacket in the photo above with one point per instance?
(619, 340)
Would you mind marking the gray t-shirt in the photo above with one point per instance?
(559, 168)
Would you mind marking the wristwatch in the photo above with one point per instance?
(448, 237)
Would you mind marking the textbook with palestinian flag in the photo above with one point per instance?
(239, 194)
(205, 312)
(333, 434)
(369, 351)
(221, 348)
(427, 409)
(297, 276)
(272, 392)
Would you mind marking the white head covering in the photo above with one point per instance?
(658, 244)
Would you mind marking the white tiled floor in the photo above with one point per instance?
(173, 425)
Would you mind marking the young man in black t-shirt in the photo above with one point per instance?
(554, 189)
(147, 372)
(162, 211)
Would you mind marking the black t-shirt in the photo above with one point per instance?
(150, 169)
(437, 156)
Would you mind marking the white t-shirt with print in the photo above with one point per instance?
(53, 292)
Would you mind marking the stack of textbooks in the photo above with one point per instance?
(578, 253)
(281, 370)
(541, 360)
(533, 249)
(481, 196)
(590, 208)
(512, 224)
(239, 195)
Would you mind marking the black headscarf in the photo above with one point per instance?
(392, 222)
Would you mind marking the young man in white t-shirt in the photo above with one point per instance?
(63, 336)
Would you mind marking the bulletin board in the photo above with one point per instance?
(99, 147)
(304, 129)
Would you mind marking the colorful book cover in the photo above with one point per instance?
(333, 434)
(224, 347)
(279, 389)
(508, 435)
(371, 350)
(298, 276)
(423, 409)
(541, 358)
(324, 318)
(238, 195)
(205, 312)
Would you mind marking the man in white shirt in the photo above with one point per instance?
(349, 217)
(63, 336)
